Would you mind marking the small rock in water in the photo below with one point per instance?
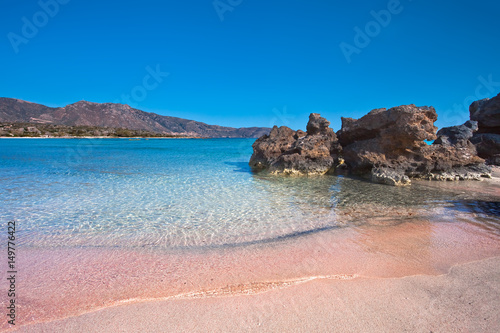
(389, 177)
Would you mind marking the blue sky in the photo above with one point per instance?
(253, 62)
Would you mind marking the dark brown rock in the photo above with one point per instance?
(318, 125)
(487, 139)
(457, 135)
(386, 145)
(487, 113)
(383, 138)
(403, 125)
(488, 146)
(268, 148)
(389, 145)
(296, 152)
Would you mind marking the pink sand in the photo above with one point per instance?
(72, 284)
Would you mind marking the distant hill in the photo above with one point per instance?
(113, 115)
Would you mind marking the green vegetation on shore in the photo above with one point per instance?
(36, 130)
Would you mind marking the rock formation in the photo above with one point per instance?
(386, 145)
(487, 139)
(457, 156)
(386, 138)
(285, 151)
(488, 146)
(389, 145)
(487, 113)
(456, 135)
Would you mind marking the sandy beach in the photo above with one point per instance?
(250, 166)
(417, 277)
(465, 299)
(431, 269)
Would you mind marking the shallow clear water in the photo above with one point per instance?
(178, 193)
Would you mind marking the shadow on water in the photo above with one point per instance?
(487, 208)
(358, 198)
(281, 238)
(350, 191)
(366, 202)
(483, 213)
(241, 167)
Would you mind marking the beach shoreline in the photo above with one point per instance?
(382, 273)
(130, 284)
(100, 137)
(463, 299)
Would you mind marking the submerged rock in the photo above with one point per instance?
(389, 177)
(487, 139)
(285, 151)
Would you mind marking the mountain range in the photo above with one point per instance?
(114, 115)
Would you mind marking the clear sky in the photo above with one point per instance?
(253, 62)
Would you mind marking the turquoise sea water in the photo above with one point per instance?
(191, 193)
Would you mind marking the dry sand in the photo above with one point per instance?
(466, 299)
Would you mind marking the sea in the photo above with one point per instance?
(198, 193)
(102, 223)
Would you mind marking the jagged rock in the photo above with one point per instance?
(469, 172)
(386, 138)
(268, 148)
(297, 152)
(460, 160)
(488, 146)
(401, 125)
(487, 139)
(388, 145)
(457, 135)
(487, 113)
(318, 125)
(300, 133)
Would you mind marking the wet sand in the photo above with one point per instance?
(355, 279)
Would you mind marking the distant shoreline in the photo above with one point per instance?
(99, 137)
(111, 137)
